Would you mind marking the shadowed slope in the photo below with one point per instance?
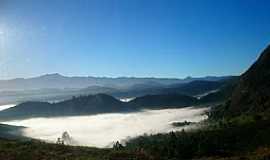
(252, 93)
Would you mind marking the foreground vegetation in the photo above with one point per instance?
(243, 136)
(36, 150)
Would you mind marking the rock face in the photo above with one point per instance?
(252, 93)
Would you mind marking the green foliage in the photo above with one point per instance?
(224, 138)
(181, 124)
(36, 150)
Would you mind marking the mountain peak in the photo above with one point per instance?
(52, 75)
(188, 77)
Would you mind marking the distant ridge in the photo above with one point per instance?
(95, 104)
(58, 81)
(83, 105)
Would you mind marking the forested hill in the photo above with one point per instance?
(252, 93)
(94, 104)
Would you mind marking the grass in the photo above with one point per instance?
(37, 150)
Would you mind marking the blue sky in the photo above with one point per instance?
(142, 38)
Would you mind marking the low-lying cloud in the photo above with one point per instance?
(104, 129)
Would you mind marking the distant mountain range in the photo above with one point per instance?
(100, 99)
(192, 88)
(57, 81)
(103, 103)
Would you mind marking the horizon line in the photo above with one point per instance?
(116, 77)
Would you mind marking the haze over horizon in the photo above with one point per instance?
(112, 77)
(137, 38)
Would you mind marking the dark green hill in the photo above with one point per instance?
(193, 88)
(221, 95)
(82, 105)
(94, 104)
(11, 132)
(163, 101)
(252, 93)
(196, 87)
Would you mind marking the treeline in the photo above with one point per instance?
(224, 138)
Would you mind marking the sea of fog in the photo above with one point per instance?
(104, 129)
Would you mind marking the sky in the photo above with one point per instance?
(138, 38)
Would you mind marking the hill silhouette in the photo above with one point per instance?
(58, 81)
(83, 105)
(163, 101)
(94, 104)
(252, 92)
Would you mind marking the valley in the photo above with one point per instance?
(134, 80)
